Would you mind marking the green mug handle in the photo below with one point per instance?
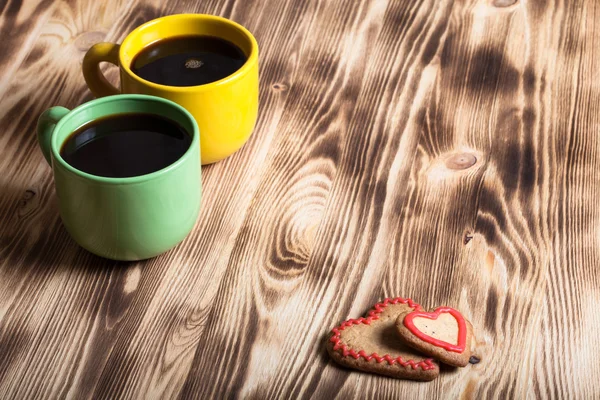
(45, 127)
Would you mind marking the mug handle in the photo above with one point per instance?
(94, 78)
(45, 127)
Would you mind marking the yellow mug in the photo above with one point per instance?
(225, 110)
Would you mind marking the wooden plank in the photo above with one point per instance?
(20, 24)
(286, 290)
(228, 189)
(439, 150)
(105, 329)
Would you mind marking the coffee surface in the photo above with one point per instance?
(125, 145)
(188, 60)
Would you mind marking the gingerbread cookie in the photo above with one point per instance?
(372, 344)
(443, 334)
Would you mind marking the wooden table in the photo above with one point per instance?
(445, 151)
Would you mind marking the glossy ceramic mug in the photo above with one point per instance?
(124, 218)
(225, 110)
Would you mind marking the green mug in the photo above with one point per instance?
(124, 218)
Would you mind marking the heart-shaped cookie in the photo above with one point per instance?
(372, 344)
(443, 334)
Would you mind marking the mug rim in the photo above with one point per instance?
(194, 145)
(243, 70)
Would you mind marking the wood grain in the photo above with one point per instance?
(441, 150)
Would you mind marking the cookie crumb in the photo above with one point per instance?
(474, 360)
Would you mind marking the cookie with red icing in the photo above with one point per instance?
(372, 344)
(443, 334)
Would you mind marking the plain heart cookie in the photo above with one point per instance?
(443, 334)
(372, 344)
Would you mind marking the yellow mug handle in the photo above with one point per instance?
(94, 78)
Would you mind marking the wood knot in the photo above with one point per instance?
(87, 39)
(28, 203)
(280, 87)
(460, 161)
(503, 3)
(468, 237)
(29, 194)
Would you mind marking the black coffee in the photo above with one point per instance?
(125, 145)
(188, 60)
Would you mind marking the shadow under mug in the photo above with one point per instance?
(130, 218)
(225, 110)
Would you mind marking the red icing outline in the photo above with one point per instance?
(462, 328)
(373, 315)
